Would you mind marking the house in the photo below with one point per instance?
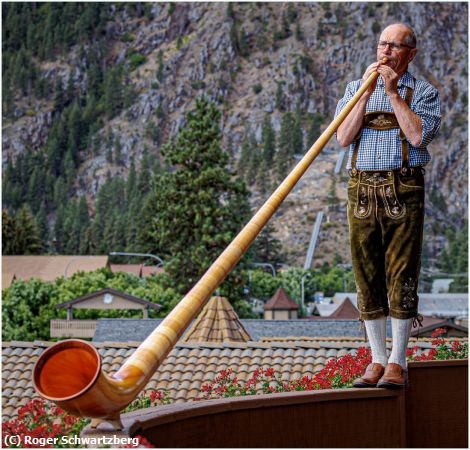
(104, 299)
(280, 306)
(430, 304)
(138, 270)
(345, 310)
(46, 267)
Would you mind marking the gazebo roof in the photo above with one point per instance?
(218, 322)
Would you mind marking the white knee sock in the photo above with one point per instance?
(401, 330)
(377, 335)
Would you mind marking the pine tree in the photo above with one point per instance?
(59, 232)
(160, 66)
(131, 183)
(243, 44)
(297, 137)
(285, 153)
(253, 161)
(313, 134)
(194, 211)
(143, 184)
(267, 248)
(20, 233)
(269, 141)
(43, 227)
(244, 154)
(280, 100)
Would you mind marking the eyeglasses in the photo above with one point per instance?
(393, 45)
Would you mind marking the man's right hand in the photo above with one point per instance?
(369, 71)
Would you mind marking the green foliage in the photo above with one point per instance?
(285, 154)
(136, 60)
(266, 247)
(243, 43)
(28, 306)
(257, 88)
(194, 211)
(20, 233)
(376, 28)
(280, 100)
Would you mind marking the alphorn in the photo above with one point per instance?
(69, 373)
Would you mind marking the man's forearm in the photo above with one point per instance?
(348, 130)
(409, 122)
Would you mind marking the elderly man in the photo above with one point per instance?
(388, 132)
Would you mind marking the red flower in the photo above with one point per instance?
(438, 332)
(270, 372)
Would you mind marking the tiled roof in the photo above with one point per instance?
(217, 322)
(48, 268)
(346, 311)
(280, 300)
(7, 279)
(188, 366)
(134, 269)
(430, 304)
(119, 330)
(150, 270)
(111, 291)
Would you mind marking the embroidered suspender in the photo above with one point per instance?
(384, 120)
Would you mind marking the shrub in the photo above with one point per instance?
(257, 88)
(136, 60)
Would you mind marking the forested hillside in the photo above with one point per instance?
(96, 95)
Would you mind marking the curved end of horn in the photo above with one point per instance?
(69, 374)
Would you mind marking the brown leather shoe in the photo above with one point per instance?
(395, 377)
(371, 376)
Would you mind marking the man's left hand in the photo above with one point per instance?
(390, 79)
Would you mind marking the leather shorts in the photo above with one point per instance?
(386, 217)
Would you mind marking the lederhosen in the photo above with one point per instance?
(386, 215)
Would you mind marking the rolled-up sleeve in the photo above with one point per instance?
(428, 108)
(348, 95)
(351, 89)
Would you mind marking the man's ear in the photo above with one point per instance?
(412, 54)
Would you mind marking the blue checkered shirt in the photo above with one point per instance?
(381, 149)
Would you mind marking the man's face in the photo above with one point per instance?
(398, 60)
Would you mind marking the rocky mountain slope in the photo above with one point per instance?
(194, 48)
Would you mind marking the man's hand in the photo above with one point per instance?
(369, 71)
(390, 79)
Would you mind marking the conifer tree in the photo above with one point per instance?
(244, 154)
(243, 44)
(297, 137)
(253, 161)
(20, 233)
(315, 122)
(280, 100)
(43, 227)
(267, 248)
(194, 211)
(285, 153)
(269, 141)
(59, 234)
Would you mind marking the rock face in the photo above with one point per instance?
(200, 56)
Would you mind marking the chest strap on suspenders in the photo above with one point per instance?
(384, 120)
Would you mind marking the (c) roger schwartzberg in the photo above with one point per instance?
(83, 441)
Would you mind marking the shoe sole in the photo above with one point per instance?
(362, 384)
(391, 385)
